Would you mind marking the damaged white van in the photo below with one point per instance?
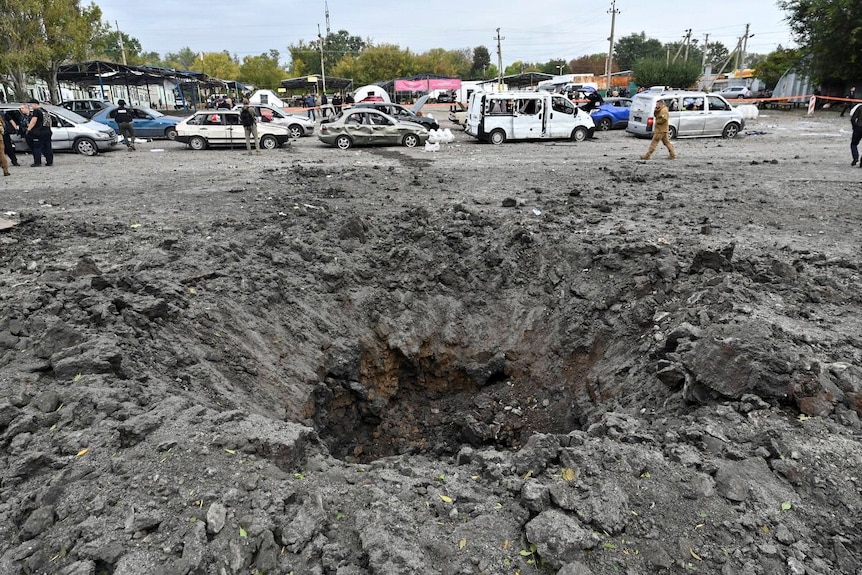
(500, 116)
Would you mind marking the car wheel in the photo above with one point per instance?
(296, 131)
(671, 133)
(730, 131)
(497, 137)
(410, 140)
(171, 134)
(86, 147)
(740, 97)
(580, 134)
(197, 143)
(604, 124)
(268, 142)
(343, 142)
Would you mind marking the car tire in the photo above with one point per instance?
(604, 124)
(410, 140)
(580, 134)
(171, 134)
(268, 142)
(497, 137)
(730, 131)
(671, 132)
(296, 131)
(86, 147)
(343, 142)
(197, 143)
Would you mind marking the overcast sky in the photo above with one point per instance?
(533, 31)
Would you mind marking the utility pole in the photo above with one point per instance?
(682, 44)
(499, 61)
(322, 71)
(741, 62)
(705, 50)
(609, 62)
(326, 6)
(122, 46)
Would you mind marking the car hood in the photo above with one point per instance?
(419, 103)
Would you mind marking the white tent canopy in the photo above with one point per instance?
(370, 91)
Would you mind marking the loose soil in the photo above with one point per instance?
(544, 357)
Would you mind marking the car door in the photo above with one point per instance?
(691, 116)
(716, 115)
(144, 124)
(561, 120)
(234, 129)
(383, 130)
(213, 130)
(527, 119)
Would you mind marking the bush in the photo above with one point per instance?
(657, 72)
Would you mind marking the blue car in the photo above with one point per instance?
(148, 123)
(613, 114)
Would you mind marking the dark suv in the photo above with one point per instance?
(86, 108)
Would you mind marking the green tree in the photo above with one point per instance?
(183, 60)
(556, 66)
(828, 31)
(107, 46)
(339, 44)
(775, 64)
(716, 54)
(263, 71)
(22, 45)
(519, 67)
(377, 63)
(218, 65)
(592, 64)
(68, 30)
(633, 47)
(658, 72)
(481, 61)
(452, 63)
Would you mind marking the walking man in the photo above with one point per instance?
(39, 132)
(249, 122)
(662, 116)
(123, 117)
(856, 137)
(851, 95)
(10, 127)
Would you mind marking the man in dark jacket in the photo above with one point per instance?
(856, 137)
(123, 116)
(39, 133)
(10, 125)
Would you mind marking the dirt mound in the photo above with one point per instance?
(534, 357)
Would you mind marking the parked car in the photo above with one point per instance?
(458, 114)
(412, 114)
(447, 97)
(70, 131)
(612, 114)
(86, 108)
(691, 114)
(209, 128)
(363, 125)
(734, 92)
(297, 125)
(148, 123)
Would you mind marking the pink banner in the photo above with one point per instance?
(427, 85)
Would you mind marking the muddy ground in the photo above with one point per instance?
(531, 358)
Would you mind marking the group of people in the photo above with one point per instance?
(33, 124)
(325, 108)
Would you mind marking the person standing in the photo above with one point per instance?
(309, 103)
(662, 117)
(249, 123)
(123, 117)
(851, 95)
(4, 163)
(39, 130)
(856, 137)
(336, 102)
(10, 126)
(324, 101)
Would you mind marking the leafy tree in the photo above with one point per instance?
(828, 31)
(377, 63)
(519, 67)
(776, 63)
(218, 65)
(339, 44)
(452, 63)
(263, 71)
(556, 66)
(304, 58)
(305, 55)
(716, 54)
(22, 46)
(658, 72)
(68, 31)
(481, 61)
(183, 60)
(106, 46)
(594, 64)
(629, 49)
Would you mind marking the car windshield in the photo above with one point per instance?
(149, 111)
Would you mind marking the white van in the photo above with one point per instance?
(500, 116)
(692, 114)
